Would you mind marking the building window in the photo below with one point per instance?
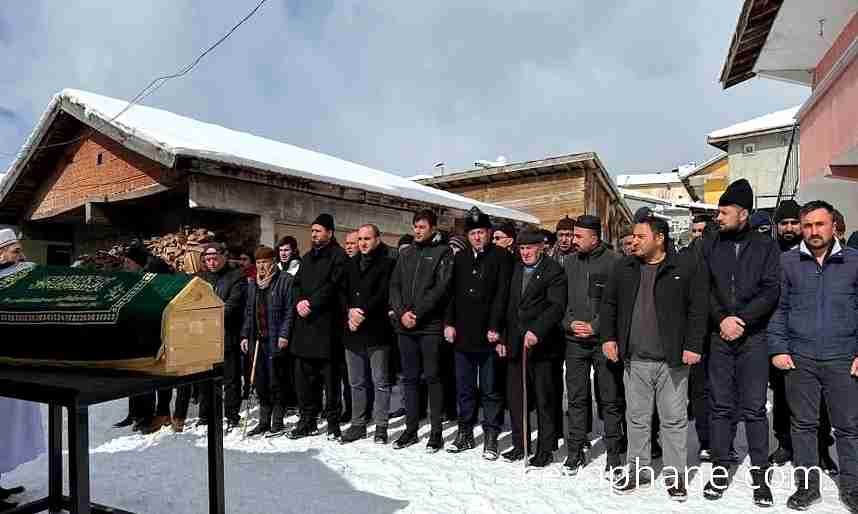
(99, 159)
(749, 149)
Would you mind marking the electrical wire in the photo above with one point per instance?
(150, 88)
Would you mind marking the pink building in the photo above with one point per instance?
(813, 43)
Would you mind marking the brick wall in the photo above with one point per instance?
(95, 167)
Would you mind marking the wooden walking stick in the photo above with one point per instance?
(251, 390)
(525, 434)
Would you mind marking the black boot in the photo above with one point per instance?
(127, 422)
(781, 456)
(435, 443)
(513, 454)
(264, 424)
(716, 486)
(380, 435)
(408, 438)
(4, 505)
(353, 433)
(762, 492)
(573, 463)
(304, 428)
(541, 459)
(278, 428)
(464, 440)
(804, 497)
(490, 446)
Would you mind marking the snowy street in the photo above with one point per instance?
(166, 472)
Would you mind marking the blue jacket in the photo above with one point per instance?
(280, 314)
(817, 315)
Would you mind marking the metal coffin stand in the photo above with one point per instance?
(77, 390)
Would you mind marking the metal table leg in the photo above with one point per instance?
(79, 459)
(55, 458)
(215, 443)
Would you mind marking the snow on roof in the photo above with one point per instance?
(173, 135)
(415, 178)
(642, 179)
(693, 170)
(775, 120)
(631, 193)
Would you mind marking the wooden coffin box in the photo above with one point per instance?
(158, 324)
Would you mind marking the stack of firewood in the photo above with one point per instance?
(104, 260)
(181, 250)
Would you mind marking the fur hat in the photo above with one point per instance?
(738, 193)
(477, 219)
(788, 209)
(325, 220)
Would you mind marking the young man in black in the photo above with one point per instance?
(479, 291)
(418, 296)
(744, 278)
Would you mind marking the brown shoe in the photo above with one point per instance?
(178, 425)
(157, 423)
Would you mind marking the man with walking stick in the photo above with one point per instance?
(537, 302)
(268, 321)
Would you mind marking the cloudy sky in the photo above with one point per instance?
(400, 85)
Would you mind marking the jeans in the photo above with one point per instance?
(656, 383)
(422, 353)
(738, 375)
(830, 379)
(368, 370)
(473, 370)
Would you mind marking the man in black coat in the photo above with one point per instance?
(418, 296)
(231, 286)
(366, 284)
(537, 301)
(654, 314)
(744, 278)
(479, 291)
(587, 273)
(318, 329)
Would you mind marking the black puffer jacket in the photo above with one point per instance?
(744, 269)
(231, 287)
(419, 284)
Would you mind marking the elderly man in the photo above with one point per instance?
(537, 301)
(564, 248)
(21, 435)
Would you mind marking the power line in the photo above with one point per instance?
(150, 88)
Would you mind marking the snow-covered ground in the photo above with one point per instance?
(166, 472)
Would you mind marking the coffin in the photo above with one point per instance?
(158, 324)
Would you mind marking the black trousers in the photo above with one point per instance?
(422, 353)
(312, 376)
(831, 380)
(478, 383)
(542, 388)
(580, 359)
(738, 376)
(346, 388)
(232, 372)
(781, 414)
(284, 369)
(448, 380)
(156, 403)
(698, 392)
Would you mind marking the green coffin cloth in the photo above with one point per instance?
(71, 314)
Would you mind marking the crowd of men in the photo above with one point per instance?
(509, 321)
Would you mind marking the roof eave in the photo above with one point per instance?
(751, 32)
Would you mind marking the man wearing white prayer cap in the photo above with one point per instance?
(21, 435)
